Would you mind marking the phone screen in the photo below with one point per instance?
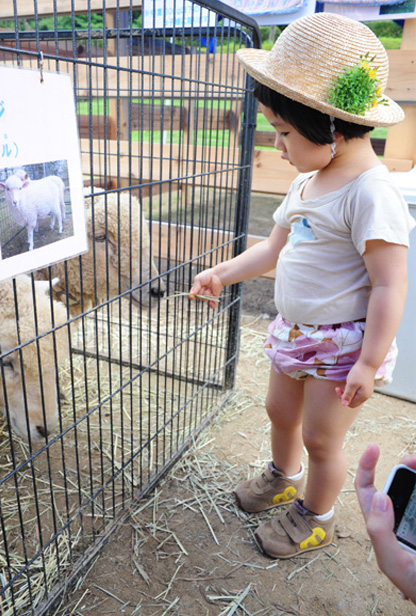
(402, 491)
(406, 530)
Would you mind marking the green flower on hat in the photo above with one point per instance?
(357, 89)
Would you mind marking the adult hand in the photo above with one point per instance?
(397, 563)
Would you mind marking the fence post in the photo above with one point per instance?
(241, 226)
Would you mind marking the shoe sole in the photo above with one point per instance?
(298, 553)
(281, 504)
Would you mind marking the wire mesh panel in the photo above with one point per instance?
(107, 370)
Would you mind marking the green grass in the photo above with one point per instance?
(97, 107)
(390, 42)
(379, 133)
(263, 124)
(217, 138)
(267, 45)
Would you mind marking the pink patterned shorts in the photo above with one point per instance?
(321, 351)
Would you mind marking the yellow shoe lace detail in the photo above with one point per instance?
(288, 495)
(318, 535)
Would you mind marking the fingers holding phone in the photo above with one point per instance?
(390, 518)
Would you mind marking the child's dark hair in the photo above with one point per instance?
(311, 124)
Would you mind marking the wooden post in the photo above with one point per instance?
(118, 107)
(401, 139)
(189, 147)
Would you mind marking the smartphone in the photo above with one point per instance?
(401, 487)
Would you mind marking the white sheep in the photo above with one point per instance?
(28, 390)
(32, 200)
(118, 258)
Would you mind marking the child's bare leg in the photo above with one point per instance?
(281, 485)
(284, 405)
(325, 424)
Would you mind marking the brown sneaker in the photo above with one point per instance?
(295, 532)
(269, 489)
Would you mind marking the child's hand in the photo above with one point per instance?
(206, 284)
(359, 385)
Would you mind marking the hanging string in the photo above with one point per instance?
(40, 64)
(332, 129)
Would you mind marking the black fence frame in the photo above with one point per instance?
(177, 275)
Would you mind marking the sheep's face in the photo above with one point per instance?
(29, 394)
(129, 267)
(128, 261)
(12, 190)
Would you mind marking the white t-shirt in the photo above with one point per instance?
(320, 274)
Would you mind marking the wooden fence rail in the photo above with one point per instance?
(172, 77)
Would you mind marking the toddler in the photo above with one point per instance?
(339, 245)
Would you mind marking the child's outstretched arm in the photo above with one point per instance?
(387, 268)
(253, 262)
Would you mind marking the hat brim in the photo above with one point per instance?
(254, 61)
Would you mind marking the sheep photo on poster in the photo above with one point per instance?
(42, 211)
(36, 209)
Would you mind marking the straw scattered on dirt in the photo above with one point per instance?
(188, 549)
(109, 411)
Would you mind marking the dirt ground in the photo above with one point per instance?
(43, 237)
(188, 550)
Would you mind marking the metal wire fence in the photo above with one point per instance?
(107, 371)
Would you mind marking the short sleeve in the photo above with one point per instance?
(378, 211)
(279, 215)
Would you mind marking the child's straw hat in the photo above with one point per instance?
(311, 55)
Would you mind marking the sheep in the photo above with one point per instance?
(27, 367)
(32, 200)
(119, 266)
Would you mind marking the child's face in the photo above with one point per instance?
(299, 151)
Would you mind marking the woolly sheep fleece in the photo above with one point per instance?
(124, 219)
(12, 388)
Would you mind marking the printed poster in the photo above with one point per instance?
(176, 13)
(273, 12)
(42, 218)
(372, 10)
